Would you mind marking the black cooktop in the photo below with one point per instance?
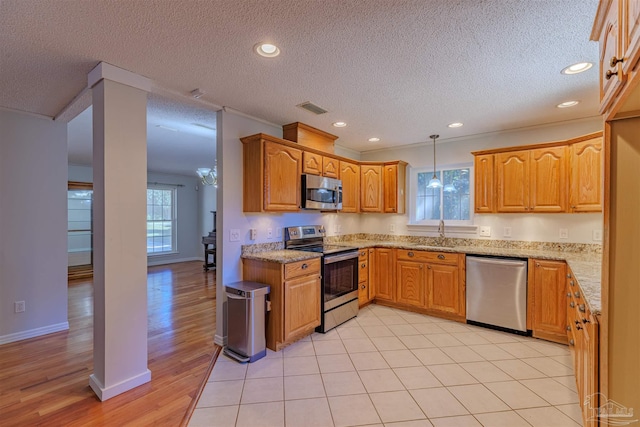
(325, 249)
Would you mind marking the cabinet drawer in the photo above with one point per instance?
(439, 257)
(363, 271)
(302, 268)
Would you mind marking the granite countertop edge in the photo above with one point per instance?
(585, 267)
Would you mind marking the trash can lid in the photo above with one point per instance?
(251, 289)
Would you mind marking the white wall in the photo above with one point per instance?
(532, 227)
(207, 195)
(33, 225)
(189, 232)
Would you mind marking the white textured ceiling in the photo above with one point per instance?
(399, 70)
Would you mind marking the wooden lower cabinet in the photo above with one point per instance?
(382, 268)
(365, 294)
(431, 281)
(582, 334)
(547, 283)
(294, 297)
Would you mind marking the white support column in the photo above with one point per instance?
(119, 239)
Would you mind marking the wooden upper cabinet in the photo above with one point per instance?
(330, 167)
(394, 183)
(282, 169)
(512, 181)
(484, 188)
(371, 188)
(350, 177)
(611, 77)
(312, 163)
(630, 34)
(548, 179)
(586, 176)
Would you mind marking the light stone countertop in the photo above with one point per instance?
(586, 267)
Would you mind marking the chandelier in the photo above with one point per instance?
(208, 176)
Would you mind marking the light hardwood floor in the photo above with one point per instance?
(45, 380)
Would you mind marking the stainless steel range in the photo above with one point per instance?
(339, 273)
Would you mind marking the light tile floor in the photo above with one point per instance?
(389, 367)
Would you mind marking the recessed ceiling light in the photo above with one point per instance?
(455, 125)
(577, 68)
(374, 139)
(267, 50)
(339, 124)
(167, 128)
(568, 104)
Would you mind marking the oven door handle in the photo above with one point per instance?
(337, 258)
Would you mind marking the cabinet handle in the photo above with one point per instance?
(614, 61)
(568, 275)
(572, 283)
(568, 327)
(572, 304)
(578, 327)
(582, 308)
(422, 266)
(440, 256)
(363, 265)
(537, 264)
(573, 207)
(304, 266)
(572, 342)
(568, 294)
(363, 253)
(585, 321)
(610, 74)
(577, 294)
(410, 254)
(363, 287)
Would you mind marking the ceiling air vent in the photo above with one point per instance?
(313, 108)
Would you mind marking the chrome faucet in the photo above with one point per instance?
(441, 229)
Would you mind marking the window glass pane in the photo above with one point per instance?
(160, 217)
(456, 194)
(428, 199)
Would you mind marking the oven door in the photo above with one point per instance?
(339, 279)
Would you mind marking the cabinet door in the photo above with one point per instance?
(371, 188)
(631, 34)
(411, 283)
(363, 276)
(312, 163)
(611, 78)
(443, 288)
(548, 180)
(549, 300)
(301, 305)
(282, 169)
(484, 199)
(350, 177)
(383, 279)
(330, 167)
(512, 181)
(586, 176)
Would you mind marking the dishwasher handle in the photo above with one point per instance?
(497, 261)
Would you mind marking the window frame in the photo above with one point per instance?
(174, 219)
(413, 195)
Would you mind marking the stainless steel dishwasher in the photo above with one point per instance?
(497, 293)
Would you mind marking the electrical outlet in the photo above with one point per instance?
(392, 228)
(485, 231)
(269, 233)
(507, 232)
(597, 235)
(234, 235)
(253, 233)
(19, 306)
(564, 233)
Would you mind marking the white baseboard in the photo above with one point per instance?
(105, 393)
(221, 341)
(153, 262)
(31, 333)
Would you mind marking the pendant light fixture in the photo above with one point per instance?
(434, 182)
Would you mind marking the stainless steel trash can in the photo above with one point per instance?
(246, 312)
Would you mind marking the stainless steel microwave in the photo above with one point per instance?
(321, 193)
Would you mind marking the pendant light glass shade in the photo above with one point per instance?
(434, 182)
